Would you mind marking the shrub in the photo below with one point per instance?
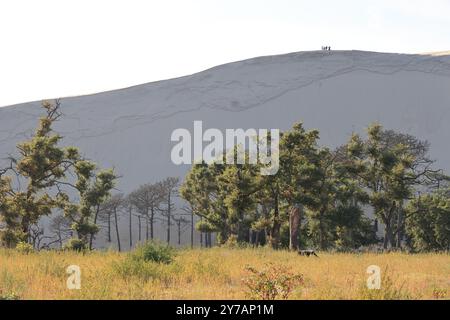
(8, 295)
(151, 260)
(24, 247)
(439, 293)
(153, 251)
(272, 282)
(75, 245)
(232, 242)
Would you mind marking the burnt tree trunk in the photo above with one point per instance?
(117, 230)
(275, 230)
(152, 219)
(294, 227)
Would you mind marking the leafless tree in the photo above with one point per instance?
(169, 188)
(147, 200)
(60, 227)
(181, 222)
(111, 209)
(190, 212)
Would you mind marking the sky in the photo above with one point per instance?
(58, 48)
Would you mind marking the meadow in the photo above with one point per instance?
(220, 273)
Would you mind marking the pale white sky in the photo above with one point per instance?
(57, 48)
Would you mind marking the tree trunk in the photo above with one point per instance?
(179, 231)
(91, 240)
(146, 227)
(388, 237)
(201, 239)
(139, 224)
(168, 218)
(399, 227)
(109, 227)
(117, 230)
(321, 229)
(209, 239)
(192, 229)
(294, 225)
(152, 219)
(275, 231)
(60, 240)
(130, 228)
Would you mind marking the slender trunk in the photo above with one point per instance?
(275, 232)
(130, 228)
(117, 230)
(399, 227)
(91, 240)
(388, 237)
(201, 239)
(139, 224)
(168, 218)
(60, 240)
(146, 227)
(192, 229)
(109, 227)
(294, 225)
(321, 229)
(179, 232)
(152, 219)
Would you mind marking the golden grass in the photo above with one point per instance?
(217, 274)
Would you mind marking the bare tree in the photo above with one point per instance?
(169, 189)
(111, 209)
(181, 222)
(60, 227)
(147, 200)
(190, 212)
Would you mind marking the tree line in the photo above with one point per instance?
(318, 198)
(48, 180)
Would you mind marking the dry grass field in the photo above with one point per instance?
(220, 273)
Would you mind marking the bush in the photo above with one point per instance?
(153, 251)
(24, 247)
(75, 245)
(151, 260)
(8, 295)
(272, 282)
(146, 270)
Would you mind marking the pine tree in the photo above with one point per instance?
(42, 171)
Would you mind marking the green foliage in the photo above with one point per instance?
(428, 225)
(24, 247)
(272, 282)
(233, 200)
(145, 270)
(47, 170)
(154, 251)
(8, 295)
(151, 260)
(389, 166)
(75, 245)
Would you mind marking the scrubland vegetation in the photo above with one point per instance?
(222, 273)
